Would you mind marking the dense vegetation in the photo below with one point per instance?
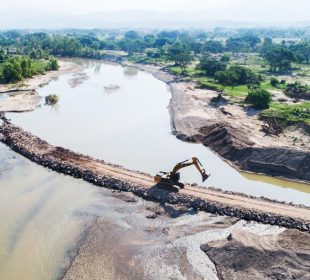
(15, 68)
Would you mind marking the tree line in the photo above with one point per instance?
(17, 68)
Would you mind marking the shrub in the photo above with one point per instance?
(51, 99)
(210, 86)
(297, 90)
(259, 98)
(274, 82)
(52, 64)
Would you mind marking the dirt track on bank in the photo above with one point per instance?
(116, 177)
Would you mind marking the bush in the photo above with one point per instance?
(259, 98)
(287, 113)
(274, 82)
(51, 99)
(297, 90)
(210, 86)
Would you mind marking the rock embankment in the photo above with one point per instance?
(115, 177)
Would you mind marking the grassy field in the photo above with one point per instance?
(288, 113)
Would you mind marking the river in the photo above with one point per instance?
(44, 214)
(130, 126)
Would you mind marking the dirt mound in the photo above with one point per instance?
(233, 144)
(244, 255)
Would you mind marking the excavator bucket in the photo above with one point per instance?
(205, 176)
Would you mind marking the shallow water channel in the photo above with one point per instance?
(43, 214)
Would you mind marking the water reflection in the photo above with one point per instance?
(130, 71)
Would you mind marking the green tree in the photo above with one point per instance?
(3, 56)
(12, 72)
(210, 65)
(214, 47)
(131, 35)
(183, 59)
(238, 75)
(26, 65)
(180, 55)
(280, 58)
(225, 58)
(52, 64)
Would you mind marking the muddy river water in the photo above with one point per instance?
(120, 115)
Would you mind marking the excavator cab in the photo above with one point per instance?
(172, 179)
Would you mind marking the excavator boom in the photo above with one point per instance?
(172, 178)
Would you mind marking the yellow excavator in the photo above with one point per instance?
(172, 179)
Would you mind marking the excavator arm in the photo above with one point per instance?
(172, 179)
(194, 161)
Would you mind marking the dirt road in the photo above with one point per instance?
(116, 177)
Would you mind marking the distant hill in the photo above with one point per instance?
(234, 17)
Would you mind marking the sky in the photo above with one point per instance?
(89, 6)
(256, 11)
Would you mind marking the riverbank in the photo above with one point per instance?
(115, 177)
(234, 131)
(40, 80)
